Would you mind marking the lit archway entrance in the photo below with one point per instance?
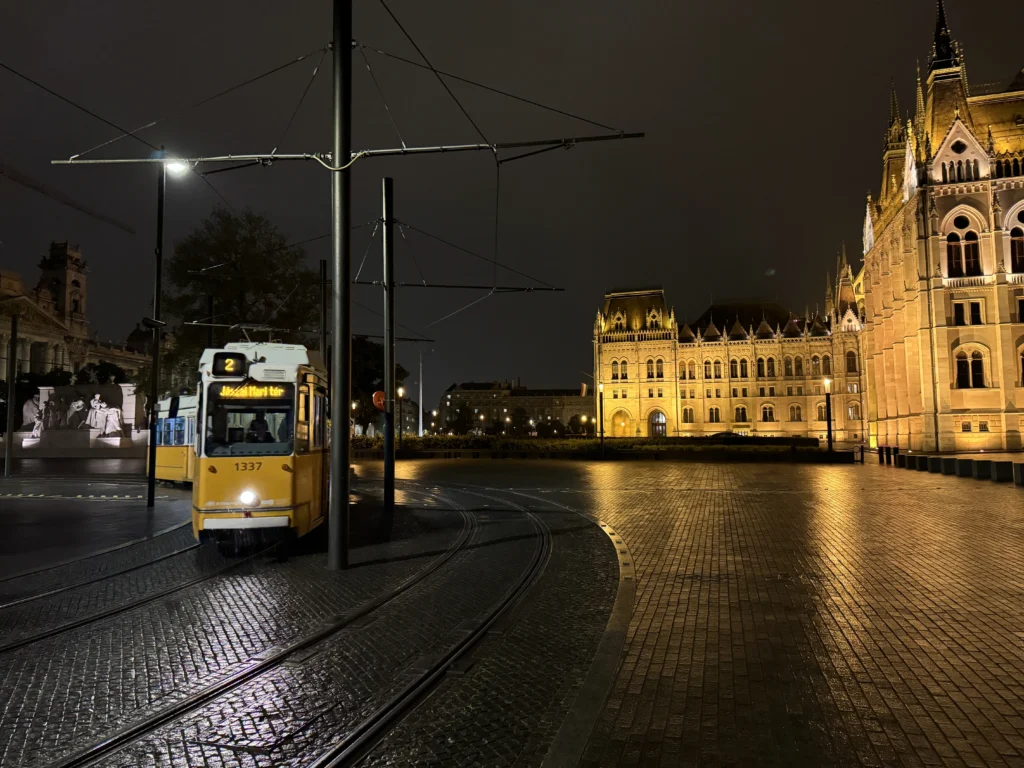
(658, 424)
(620, 424)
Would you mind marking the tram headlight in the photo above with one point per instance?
(249, 498)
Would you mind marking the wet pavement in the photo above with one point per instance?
(790, 615)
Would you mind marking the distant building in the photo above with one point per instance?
(53, 326)
(497, 401)
(746, 367)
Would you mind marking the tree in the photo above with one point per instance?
(245, 263)
(102, 373)
(462, 423)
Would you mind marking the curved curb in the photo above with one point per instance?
(574, 733)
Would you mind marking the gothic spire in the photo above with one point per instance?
(894, 104)
(944, 50)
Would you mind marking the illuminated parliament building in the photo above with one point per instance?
(924, 344)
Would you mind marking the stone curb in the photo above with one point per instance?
(979, 469)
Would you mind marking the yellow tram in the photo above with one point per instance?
(175, 439)
(261, 451)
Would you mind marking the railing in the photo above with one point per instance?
(613, 337)
(1016, 278)
(968, 282)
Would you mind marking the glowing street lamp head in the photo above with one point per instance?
(176, 167)
(481, 417)
(401, 391)
(600, 387)
(828, 385)
(583, 419)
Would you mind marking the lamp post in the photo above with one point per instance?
(401, 424)
(175, 167)
(600, 410)
(828, 410)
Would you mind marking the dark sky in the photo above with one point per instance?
(764, 127)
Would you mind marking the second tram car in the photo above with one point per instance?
(175, 439)
(262, 443)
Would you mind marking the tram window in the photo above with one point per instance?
(163, 433)
(256, 426)
(302, 435)
(179, 430)
(318, 421)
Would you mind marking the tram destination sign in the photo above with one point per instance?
(252, 390)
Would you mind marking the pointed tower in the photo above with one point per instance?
(919, 117)
(829, 293)
(894, 156)
(946, 84)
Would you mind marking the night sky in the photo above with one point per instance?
(764, 127)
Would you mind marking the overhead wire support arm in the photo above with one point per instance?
(495, 288)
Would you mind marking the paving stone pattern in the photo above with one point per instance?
(506, 709)
(67, 691)
(295, 711)
(791, 615)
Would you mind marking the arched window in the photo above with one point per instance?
(963, 371)
(815, 366)
(954, 257)
(822, 413)
(718, 369)
(760, 367)
(615, 370)
(972, 258)
(744, 370)
(959, 170)
(826, 365)
(977, 174)
(1017, 250)
(650, 369)
(798, 366)
(658, 424)
(707, 369)
(714, 415)
(659, 367)
(734, 368)
(977, 370)
(623, 373)
(767, 413)
(945, 174)
(682, 370)
(795, 413)
(851, 362)
(1022, 367)
(853, 411)
(998, 169)
(771, 367)
(969, 171)
(687, 415)
(741, 414)
(1016, 167)
(693, 369)
(787, 366)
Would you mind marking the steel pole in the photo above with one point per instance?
(421, 392)
(323, 310)
(600, 399)
(12, 375)
(341, 289)
(154, 385)
(388, 212)
(828, 418)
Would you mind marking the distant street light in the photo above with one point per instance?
(401, 421)
(176, 167)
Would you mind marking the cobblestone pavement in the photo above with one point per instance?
(70, 690)
(800, 615)
(53, 525)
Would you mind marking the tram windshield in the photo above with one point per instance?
(251, 419)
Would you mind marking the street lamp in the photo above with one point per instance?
(600, 409)
(176, 167)
(828, 410)
(401, 423)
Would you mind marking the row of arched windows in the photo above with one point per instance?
(739, 368)
(655, 369)
(961, 170)
(768, 413)
(963, 256)
(1005, 168)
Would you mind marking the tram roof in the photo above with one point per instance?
(185, 403)
(272, 354)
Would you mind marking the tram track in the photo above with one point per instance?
(269, 659)
(97, 579)
(59, 629)
(372, 730)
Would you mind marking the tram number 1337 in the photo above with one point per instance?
(247, 466)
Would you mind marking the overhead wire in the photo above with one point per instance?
(461, 309)
(200, 103)
(301, 99)
(432, 69)
(367, 251)
(488, 88)
(384, 100)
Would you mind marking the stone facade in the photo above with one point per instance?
(746, 367)
(943, 275)
(53, 326)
